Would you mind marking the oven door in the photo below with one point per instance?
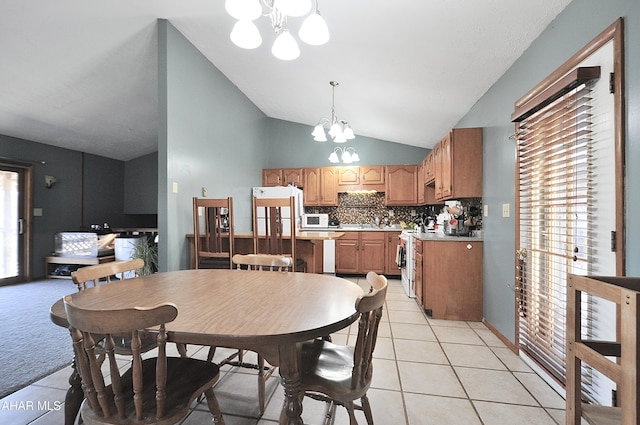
(406, 241)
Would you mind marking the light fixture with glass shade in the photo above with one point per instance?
(339, 130)
(345, 154)
(245, 34)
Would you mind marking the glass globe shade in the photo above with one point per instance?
(244, 10)
(293, 8)
(348, 133)
(346, 157)
(314, 30)
(355, 157)
(285, 47)
(318, 134)
(245, 34)
(333, 157)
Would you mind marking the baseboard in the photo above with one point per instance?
(500, 336)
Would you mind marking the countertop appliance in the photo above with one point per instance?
(282, 192)
(406, 249)
(317, 221)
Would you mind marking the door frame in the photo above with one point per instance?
(24, 270)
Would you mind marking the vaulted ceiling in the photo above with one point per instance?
(83, 74)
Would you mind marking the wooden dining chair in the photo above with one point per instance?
(341, 374)
(213, 233)
(91, 275)
(270, 219)
(155, 390)
(256, 262)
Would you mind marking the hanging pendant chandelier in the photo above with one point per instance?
(339, 130)
(245, 33)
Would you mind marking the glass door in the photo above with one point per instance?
(12, 224)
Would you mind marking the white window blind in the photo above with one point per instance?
(555, 212)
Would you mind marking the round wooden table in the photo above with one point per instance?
(266, 312)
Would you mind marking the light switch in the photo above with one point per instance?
(486, 210)
(506, 212)
(175, 187)
(204, 192)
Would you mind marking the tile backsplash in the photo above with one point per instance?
(355, 208)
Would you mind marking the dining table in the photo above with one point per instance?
(268, 312)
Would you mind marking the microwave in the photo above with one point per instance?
(315, 220)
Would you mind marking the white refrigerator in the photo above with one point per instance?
(281, 192)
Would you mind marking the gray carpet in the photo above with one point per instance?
(31, 346)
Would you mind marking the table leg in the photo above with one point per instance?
(290, 373)
(74, 396)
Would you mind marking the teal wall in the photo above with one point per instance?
(576, 26)
(291, 145)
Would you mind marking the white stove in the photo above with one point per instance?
(407, 248)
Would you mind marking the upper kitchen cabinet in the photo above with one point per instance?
(283, 177)
(422, 188)
(361, 178)
(401, 184)
(320, 186)
(458, 165)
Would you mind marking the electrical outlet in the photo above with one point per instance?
(175, 187)
(486, 210)
(413, 213)
(506, 210)
(391, 213)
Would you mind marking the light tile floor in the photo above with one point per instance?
(425, 372)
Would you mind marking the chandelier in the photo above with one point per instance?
(347, 155)
(245, 33)
(339, 130)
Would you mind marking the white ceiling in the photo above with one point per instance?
(82, 74)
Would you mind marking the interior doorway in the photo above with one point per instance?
(14, 222)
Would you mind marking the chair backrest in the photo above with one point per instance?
(270, 218)
(262, 262)
(213, 229)
(370, 308)
(113, 324)
(91, 275)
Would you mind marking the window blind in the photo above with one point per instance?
(555, 211)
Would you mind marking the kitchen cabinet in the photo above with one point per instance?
(429, 171)
(421, 188)
(361, 252)
(283, 177)
(391, 268)
(457, 164)
(320, 186)
(401, 183)
(369, 177)
(452, 279)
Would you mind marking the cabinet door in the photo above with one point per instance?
(401, 182)
(420, 189)
(453, 279)
(391, 268)
(372, 174)
(372, 252)
(292, 176)
(437, 168)
(311, 186)
(348, 176)
(272, 177)
(328, 186)
(347, 253)
(447, 169)
(429, 172)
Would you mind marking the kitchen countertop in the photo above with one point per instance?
(442, 237)
(355, 228)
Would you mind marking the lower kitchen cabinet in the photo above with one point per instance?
(361, 252)
(391, 268)
(452, 279)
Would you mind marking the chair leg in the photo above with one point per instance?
(352, 415)
(261, 384)
(212, 352)
(214, 407)
(366, 408)
(182, 349)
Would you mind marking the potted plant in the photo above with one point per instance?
(147, 252)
